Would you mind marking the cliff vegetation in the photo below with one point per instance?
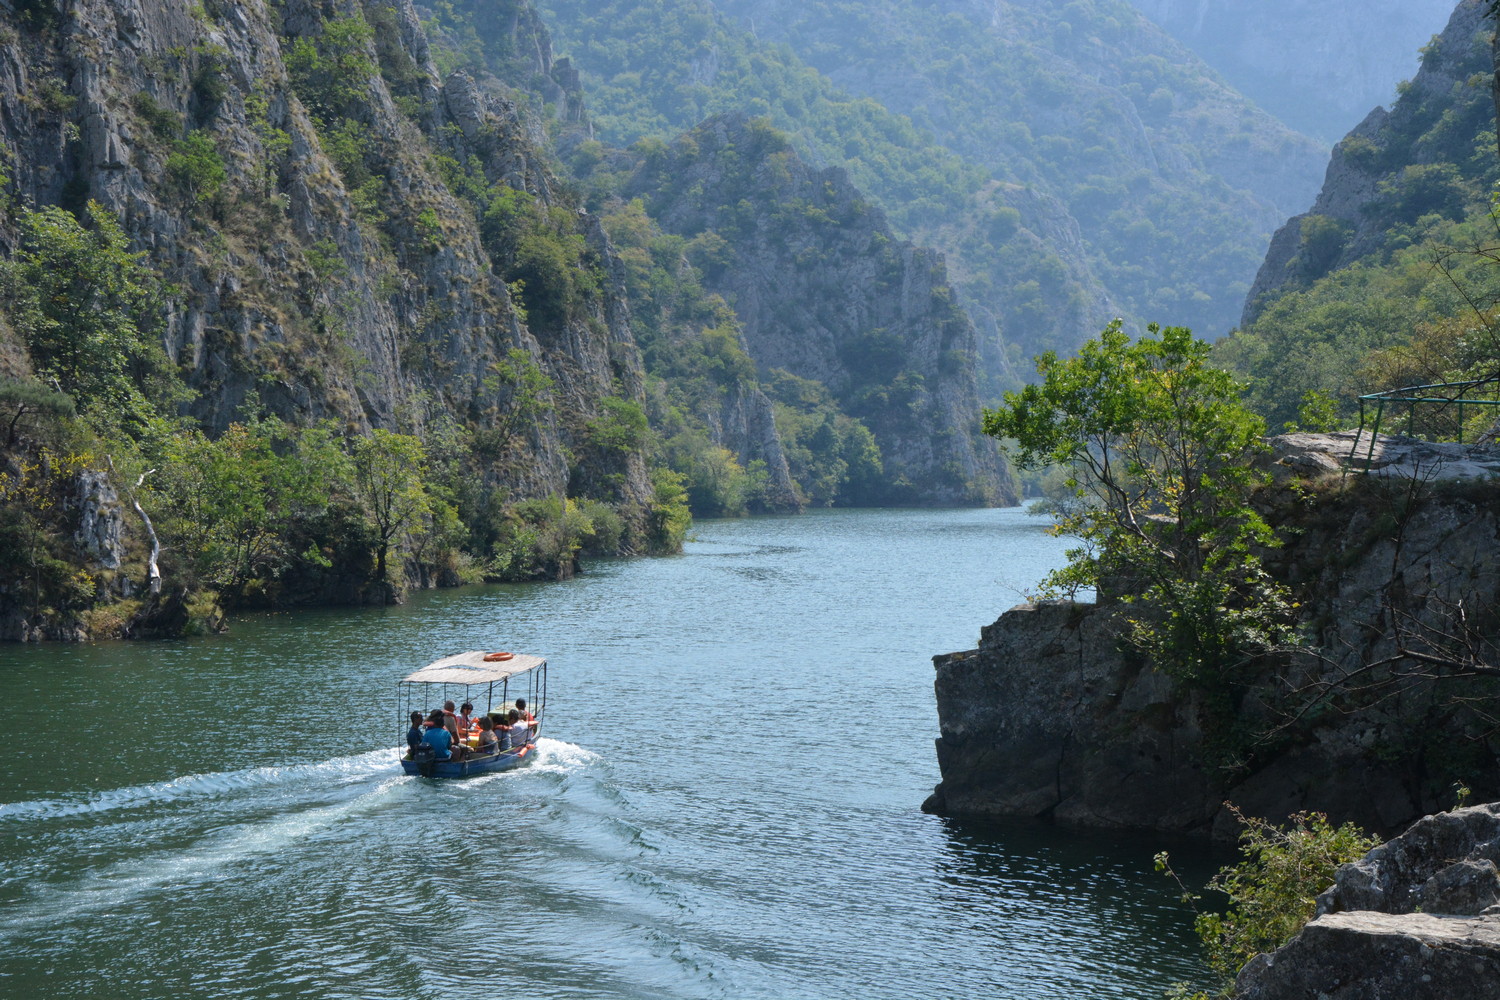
(1390, 280)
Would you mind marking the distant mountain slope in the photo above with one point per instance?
(1347, 55)
(825, 293)
(1172, 180)
(1379, 285)
(729, 375)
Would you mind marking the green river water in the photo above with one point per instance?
(724, 804)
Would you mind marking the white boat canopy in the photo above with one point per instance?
(471, 668)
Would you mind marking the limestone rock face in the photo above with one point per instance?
(409, 325)
(101, 525)
(291, 284)
(1053, 716)
(1307, 455)
(825, 291)
(1414, 919)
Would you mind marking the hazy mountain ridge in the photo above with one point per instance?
(1023, 96)
(1351, 55)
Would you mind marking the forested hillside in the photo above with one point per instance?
(1071, 160)
(1391, 279)
(296, 307)
(258, 337)
(1318, 65)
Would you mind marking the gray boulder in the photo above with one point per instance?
(1414, 919)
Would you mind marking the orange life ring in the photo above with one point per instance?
(498, 657)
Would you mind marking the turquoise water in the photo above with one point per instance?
(724, 804)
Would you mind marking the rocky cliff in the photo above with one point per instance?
(332, 272)
(307, 190)
(1052, 715)
(1350, 55)
(824, 291)
(1420, 158)
(1417, 918)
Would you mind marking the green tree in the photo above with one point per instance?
(88, 310)
(234, 503)
(529, 392)
(333, 70)
(196, 166)
(389, 470)
(668, 518)
(1160, 447)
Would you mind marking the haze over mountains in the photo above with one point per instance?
(1072, 160)
(1347, 57)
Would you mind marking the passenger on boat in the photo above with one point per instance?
(487, 742)
(437, 734)
(521, 707)
(465, 718)
(520, 732)
(450, 721)
(414, 734)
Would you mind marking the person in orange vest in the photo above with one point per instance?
(450, 721)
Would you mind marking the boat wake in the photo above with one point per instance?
(552, 757)
(258, 812)
(344, 770)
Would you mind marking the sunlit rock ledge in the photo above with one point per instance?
(1417, 918)
(1304, 454)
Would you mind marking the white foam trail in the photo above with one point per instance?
(114, 887)
(555, 756)
(359, 767)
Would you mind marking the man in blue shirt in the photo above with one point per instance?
(437, 735)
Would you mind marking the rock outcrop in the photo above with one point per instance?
(1369, 184)
(296, 290)
(1417, 918)
(825, 291)
(1053, 716)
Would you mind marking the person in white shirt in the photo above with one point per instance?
(520, 730)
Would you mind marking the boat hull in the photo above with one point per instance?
(472, 766)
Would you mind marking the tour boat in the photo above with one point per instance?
(470, 677)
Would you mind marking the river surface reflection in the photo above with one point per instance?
(724, 804)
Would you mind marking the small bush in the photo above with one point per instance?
(163, 122)
(1272, 892)
(196, 167)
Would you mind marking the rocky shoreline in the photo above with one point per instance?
(1417, 918)
(1054, 716)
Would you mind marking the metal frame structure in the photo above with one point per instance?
(1413, 396)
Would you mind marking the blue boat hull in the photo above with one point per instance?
(466, 768)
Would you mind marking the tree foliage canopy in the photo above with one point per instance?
(1160, 449)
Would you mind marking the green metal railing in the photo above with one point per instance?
(1443, 419)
